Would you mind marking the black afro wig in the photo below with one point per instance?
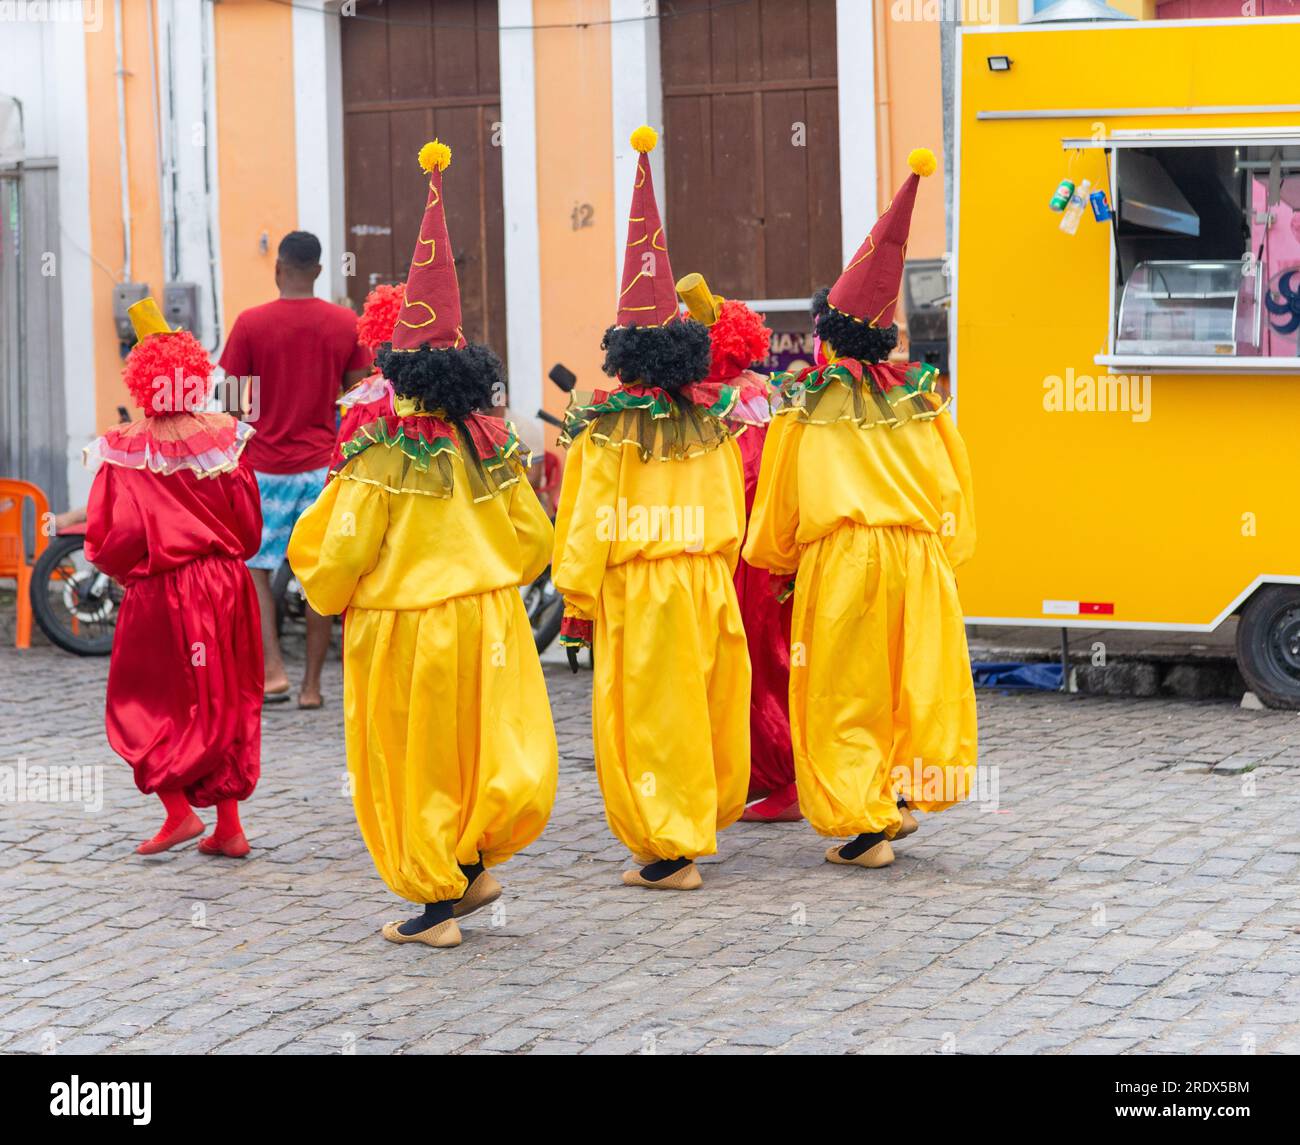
(458, 382)
(669, 356)
(849, 337)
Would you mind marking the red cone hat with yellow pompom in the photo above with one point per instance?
(647, 296)
(868, 288)
(430, 314)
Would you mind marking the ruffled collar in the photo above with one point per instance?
(690, 421)
(755, 394)
(489, 448)
(866, 393)
(206, 444)
(370, 389)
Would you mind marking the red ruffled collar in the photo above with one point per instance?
(204, 443)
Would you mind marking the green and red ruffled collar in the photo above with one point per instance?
(913, 377)
(489, 448)
(866, 393)
(667, 426)
(714, 398)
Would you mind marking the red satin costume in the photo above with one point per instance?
(767, 632)
(737, 338)
(185, 681)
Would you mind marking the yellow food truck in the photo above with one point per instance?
(1126, 306)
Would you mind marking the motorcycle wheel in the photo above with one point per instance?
(72, 613)
(545, 608)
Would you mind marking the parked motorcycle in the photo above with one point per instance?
(74, 603)
(542, 601)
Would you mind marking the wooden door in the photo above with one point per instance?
(751, 144)
(413, 70)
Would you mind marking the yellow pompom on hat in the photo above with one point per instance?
(645, 139)
(435, 154)
(922, 161)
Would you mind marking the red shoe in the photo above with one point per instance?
(779, 807)
(234, 847)
(165, 840)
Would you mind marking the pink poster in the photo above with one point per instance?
(1281, 253)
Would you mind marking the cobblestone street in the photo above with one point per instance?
(1131, 882)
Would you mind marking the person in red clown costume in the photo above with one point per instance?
(738, 338)
(174, 515)
(371, 397)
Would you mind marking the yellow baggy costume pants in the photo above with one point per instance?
(873, 519)
(670, 705)
(451, 749)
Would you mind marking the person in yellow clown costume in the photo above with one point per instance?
(651, 516)
(424, 537)
(864, 498)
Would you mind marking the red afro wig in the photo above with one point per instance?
(379, 315)
(737, 340)
(168, 373)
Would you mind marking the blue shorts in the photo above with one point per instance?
(285, 497)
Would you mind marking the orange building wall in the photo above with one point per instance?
(909, 113)
(106, 223)
(575, 165)
(258, 189)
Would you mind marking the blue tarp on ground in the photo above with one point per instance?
(1015, 676)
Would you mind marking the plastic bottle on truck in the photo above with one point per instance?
(1074, 212)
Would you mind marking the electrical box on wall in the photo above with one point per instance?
(126, 294)
(181, 305)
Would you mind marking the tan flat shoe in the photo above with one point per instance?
(687, 879)
(910, 823)
(444, 935)
(881, 855)
(483, 891)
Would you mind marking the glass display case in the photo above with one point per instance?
(1191, 307)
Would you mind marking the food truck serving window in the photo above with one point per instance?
(1207, 249)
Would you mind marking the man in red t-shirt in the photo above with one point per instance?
(293, 356)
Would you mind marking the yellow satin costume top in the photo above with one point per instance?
(451, 747)
(872, 511)
(646, 549)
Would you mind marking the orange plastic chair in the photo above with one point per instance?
(13, 548)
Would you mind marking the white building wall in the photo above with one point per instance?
(637, 97)
(42, 65)
(318, 137)
(855, 50)
(518, 139)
